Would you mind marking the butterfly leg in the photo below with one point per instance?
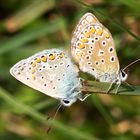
(116, 91)
(110, 87)
(82, 98)
(130, 86)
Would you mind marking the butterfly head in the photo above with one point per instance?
(72, 94)
(68, 102)
(123, 75)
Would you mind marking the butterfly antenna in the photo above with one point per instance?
(131, 64)
(54, 116)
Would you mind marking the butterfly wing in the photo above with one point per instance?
(93, 47)
(50, 72)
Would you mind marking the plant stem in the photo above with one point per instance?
(102, 88)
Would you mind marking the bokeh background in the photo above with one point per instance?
(29, 26)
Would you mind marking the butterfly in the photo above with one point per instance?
(52, 73)
(93, 48)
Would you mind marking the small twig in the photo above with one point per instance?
(101, 88)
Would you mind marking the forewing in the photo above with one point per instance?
(93, 47)
(44, 71)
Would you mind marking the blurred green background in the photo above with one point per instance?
(29, 26)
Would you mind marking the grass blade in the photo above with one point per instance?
(29, 35)
(42, 118)
(28, 14)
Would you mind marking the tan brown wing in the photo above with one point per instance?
(93, 47)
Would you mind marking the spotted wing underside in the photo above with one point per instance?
(43, 71)
(93, 47)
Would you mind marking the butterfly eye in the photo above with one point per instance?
(123, 74)
(66, 102)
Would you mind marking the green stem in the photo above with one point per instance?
(102, 88)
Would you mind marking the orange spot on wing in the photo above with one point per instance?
(92, 30)
(33, 77)
(44, 59)
(61, 55)
(81, 46)
(51, 57)
(87, 34)
(84, 40)
(106, 35)
(99, 32)
(38, 60)
(33, 71)
(33, 64)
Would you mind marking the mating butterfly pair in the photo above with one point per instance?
(53, 73)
